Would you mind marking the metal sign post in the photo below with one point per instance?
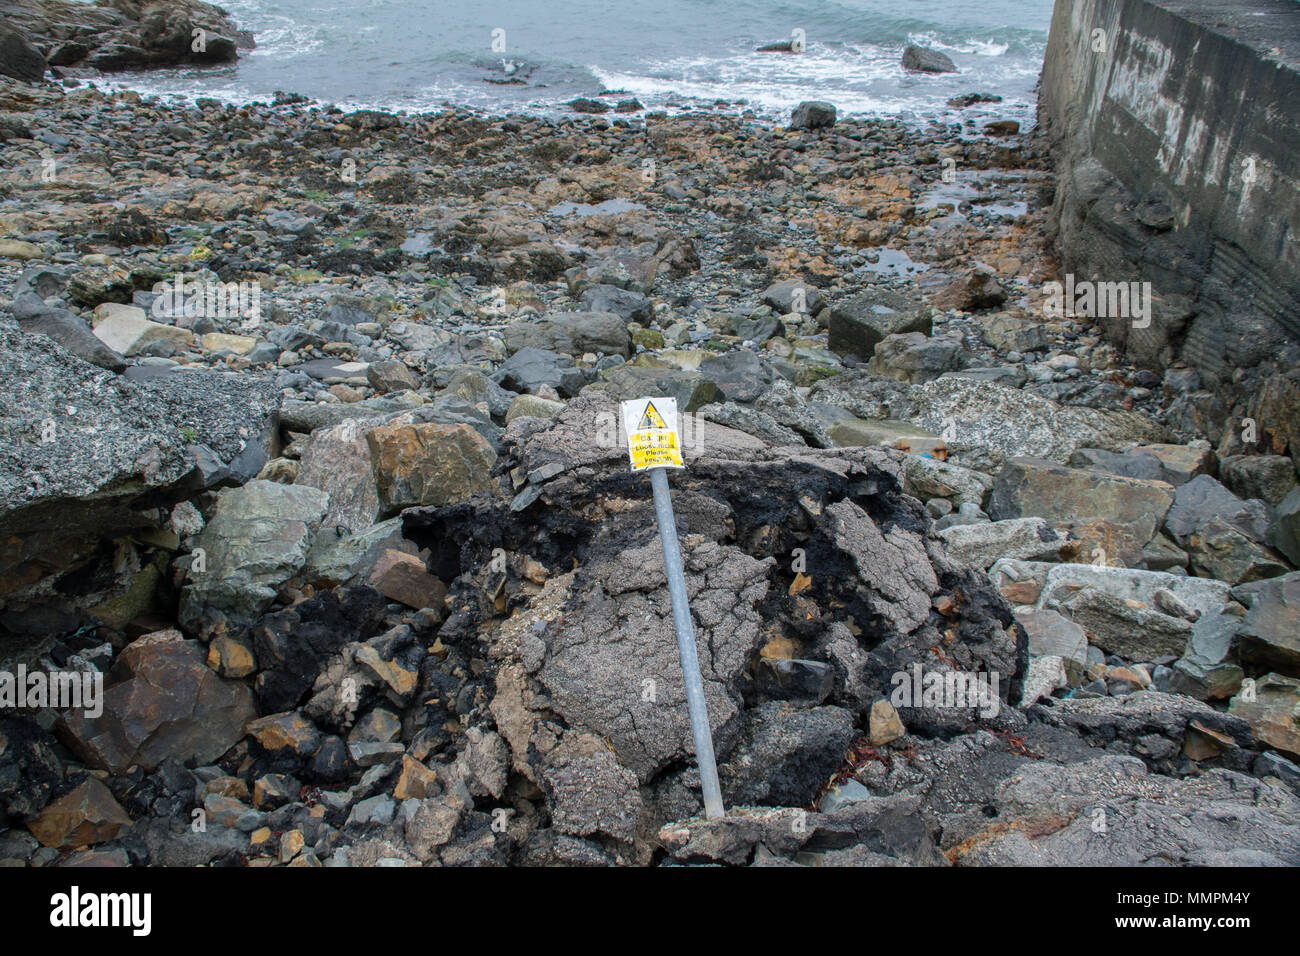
(653, 445)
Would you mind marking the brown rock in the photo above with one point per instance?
(231, 657)
(274, 790)
(390, 376)
(163, 702)
(403, 577)
(337, 461)
(287, 732)
(1274, 711)
(1134, 508)
(980, 289)
(416, 781)
(87, 815)
(429, 464)
(885, 724)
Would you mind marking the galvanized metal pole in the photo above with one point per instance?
(686, 649)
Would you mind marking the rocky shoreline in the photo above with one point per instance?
(308, 450)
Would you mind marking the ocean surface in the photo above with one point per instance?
(535, 55)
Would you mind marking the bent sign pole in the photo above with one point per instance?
(653, 445)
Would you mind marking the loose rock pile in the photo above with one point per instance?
(370, 583)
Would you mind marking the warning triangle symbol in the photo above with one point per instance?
(651, 418)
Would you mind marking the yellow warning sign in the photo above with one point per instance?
(650, 418)
(652, 440)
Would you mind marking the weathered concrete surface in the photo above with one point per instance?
(1176, 140)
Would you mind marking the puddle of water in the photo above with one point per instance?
(609, 207)
(418, 244)
(950, 194)
(892, 262)
(1004, 209)
(970, 191)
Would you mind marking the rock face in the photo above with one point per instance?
(162, 701)
(257, 539)
(128, 34)
(18, 57)
(1228, 309)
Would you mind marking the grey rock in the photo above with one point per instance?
(1270, 633)
(471, 386)
(842, 795)
(67, 329)
(813, 114)
(1130, 465)
(1134, 633)
(797, 681)
(1204, 671)
(789, 295)
(573, 333)
(377, 809)
(858, 324)
(1131, 585)
(913, 357)
(1009, 423)
(19, 57)
(46, 282)
(589, 793)
(740, 375)
(337, 462)
(1285, 530)
(1052, 634)
(530, 368)
(613, 640)
(177, 843)
(630, 306)
(349, 310)
(926, 60)
(1269, 477)
(981, 545)
(257, 539)
(1203, 499)
(752, 422)
(1213, 819)
(693, 390)
(924, 477)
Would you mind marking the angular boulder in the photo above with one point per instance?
(162, 701)
(257, 539)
